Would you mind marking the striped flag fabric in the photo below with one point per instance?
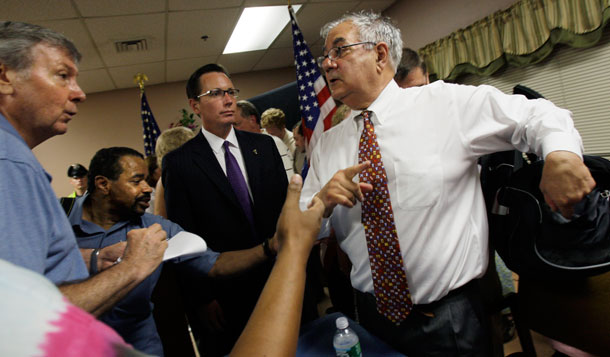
(151, 129)
(316, 105)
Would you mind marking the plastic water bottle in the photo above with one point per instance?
(346, 341)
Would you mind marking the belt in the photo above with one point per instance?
(427, 309)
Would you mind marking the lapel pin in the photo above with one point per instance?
(255, 152)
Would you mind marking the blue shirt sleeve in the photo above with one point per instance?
(201, 264)
(36, 233)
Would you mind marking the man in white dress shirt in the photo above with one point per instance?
(247, 118)
(430, 138)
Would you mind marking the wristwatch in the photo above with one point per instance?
(267, 249)
(93, 261)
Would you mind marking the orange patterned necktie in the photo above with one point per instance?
(388, 270)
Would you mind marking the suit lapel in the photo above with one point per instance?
(205, 160)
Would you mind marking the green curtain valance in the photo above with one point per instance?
(523, 34)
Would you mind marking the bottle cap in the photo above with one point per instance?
(342, 323)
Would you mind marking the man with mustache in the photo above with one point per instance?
(115, 204)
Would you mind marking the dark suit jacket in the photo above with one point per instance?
(199, 197)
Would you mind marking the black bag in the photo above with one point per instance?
(534, 241)
(67, 203)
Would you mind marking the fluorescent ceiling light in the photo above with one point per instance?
(258, 27)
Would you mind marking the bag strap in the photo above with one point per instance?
(67, 203)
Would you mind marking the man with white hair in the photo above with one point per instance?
(402, 191)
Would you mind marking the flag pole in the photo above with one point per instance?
(150, 127)
(139, 79)
(316, 103)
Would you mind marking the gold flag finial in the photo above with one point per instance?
(139, 79)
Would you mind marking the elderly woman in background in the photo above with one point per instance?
(169, 140)
(273, 120)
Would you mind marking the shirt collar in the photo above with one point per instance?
(76, 214)
(380, 105)
(216, 142)
(9, 128)
(6, 126)
(76, 218)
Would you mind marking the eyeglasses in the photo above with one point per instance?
(335, 52)
(219, 93)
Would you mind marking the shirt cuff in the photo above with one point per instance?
(325, 228)
(561, 142)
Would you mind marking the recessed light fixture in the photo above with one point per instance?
(258, 27)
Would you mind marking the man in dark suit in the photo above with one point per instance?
(232, 199)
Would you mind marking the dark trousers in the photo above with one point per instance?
(452, 326)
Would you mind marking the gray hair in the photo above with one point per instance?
(372, 27)
(247, 109)
(409, 61)
(18, 38)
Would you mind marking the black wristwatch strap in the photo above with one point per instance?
(93, 261)
(266, 249)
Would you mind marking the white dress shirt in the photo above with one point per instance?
(289, 141)
(285, 154)
(430, 138)
(216, 143)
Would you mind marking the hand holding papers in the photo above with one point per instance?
(184, 244)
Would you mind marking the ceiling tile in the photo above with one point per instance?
(96, 8)
(173, 30)
(108, 30)
(375, 5)
(253, 3)
(77, 33)
(241, 62)
(186, 28)
(123, 76)
(175, 5)
(96, 80)
(37, 10)
(181, 70)
(276, 58)
(311, 18)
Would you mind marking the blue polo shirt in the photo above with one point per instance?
(132, 317)
(35, 232)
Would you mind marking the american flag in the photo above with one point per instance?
(316, 104)
(151, 129)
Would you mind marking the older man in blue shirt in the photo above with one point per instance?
(38, 97)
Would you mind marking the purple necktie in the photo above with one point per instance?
(387, 267)
(237, 181)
